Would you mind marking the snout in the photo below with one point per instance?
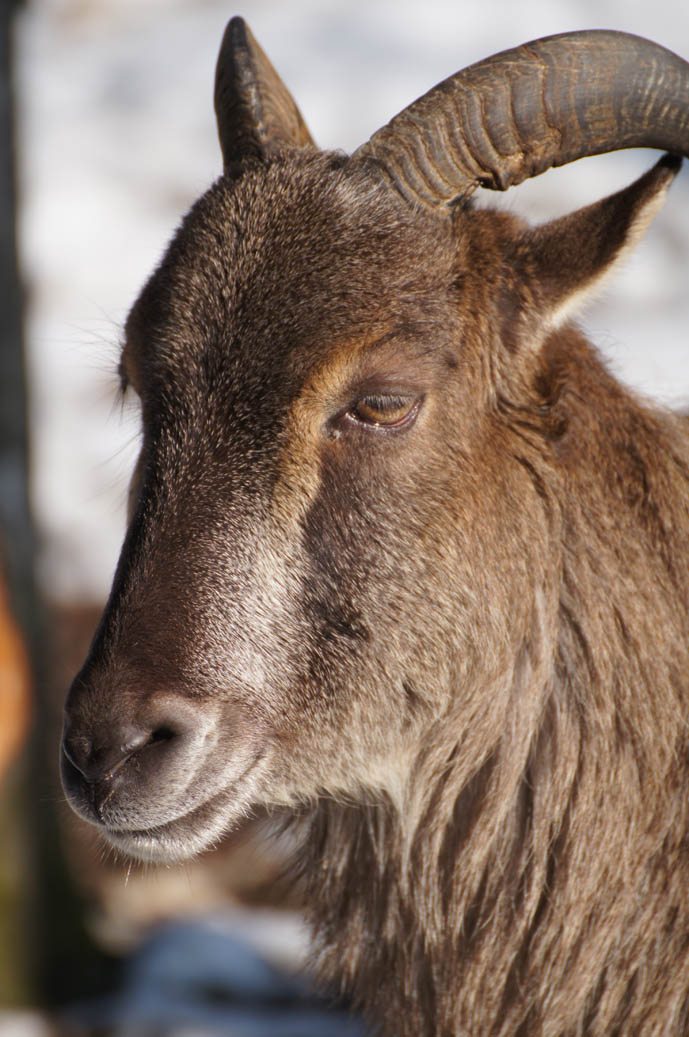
(109, 762)
(161, 775)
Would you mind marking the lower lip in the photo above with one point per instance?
(153, 843)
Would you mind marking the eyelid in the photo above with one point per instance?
(381, 400)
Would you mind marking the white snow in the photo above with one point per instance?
(117, 139)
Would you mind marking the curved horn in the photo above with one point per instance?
(254, 109)
(522, 111)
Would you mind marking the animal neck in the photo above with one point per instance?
(481, 915)
(434, 904)
(514, 885)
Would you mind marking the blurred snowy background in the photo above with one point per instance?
(117, 139)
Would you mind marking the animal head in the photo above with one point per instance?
(350, 379)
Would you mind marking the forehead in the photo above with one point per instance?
(269, 272)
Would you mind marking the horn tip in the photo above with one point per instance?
(237, 36)
(236, 25)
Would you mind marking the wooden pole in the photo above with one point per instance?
(16, 549)
(46, 956)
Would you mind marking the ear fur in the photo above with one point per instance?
(560, 264)
(255, 111)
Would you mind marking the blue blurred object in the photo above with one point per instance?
(192, 977)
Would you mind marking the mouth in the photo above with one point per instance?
(194, 831)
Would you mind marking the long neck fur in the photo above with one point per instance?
(546, 890)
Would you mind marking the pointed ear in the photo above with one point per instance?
(254, 109)
(558, 266)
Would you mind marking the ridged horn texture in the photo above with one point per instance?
(255, 111)
(543, 104)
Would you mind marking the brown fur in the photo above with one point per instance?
(458, 653)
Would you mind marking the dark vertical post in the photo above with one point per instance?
(13, 439)
(58, 961)
(15, 533)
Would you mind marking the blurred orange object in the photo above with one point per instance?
(15, 684)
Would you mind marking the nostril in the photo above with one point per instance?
(163, 734)
(102, 756)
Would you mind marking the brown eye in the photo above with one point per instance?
(385, 411)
